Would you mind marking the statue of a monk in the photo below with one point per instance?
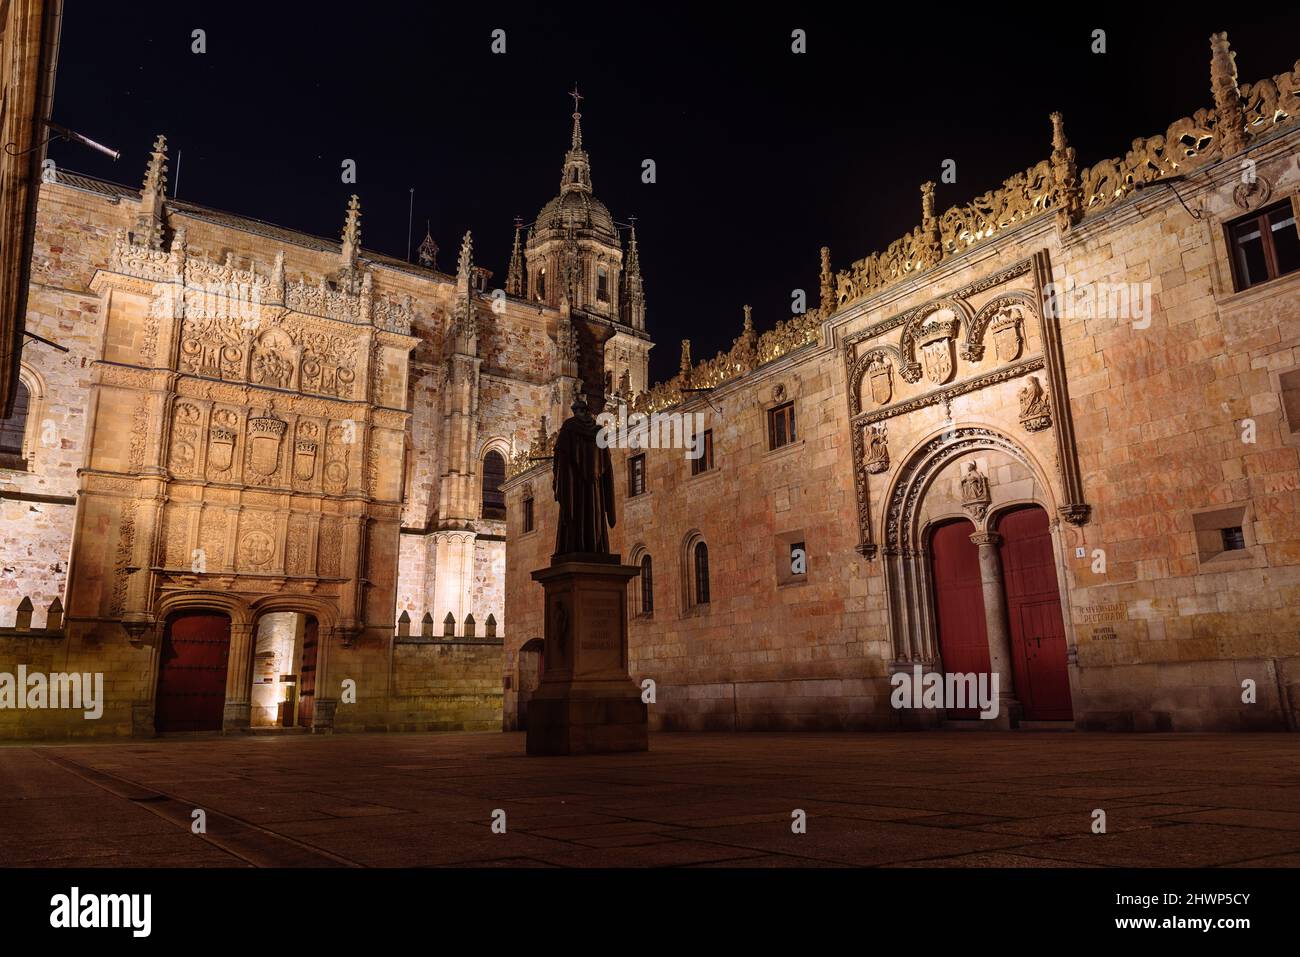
(583, 479)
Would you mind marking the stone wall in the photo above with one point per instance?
(79, 243)
(1178, 423)
(38, 503)
(436, 685)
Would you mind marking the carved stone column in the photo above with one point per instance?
(239, 677)
(999, 634)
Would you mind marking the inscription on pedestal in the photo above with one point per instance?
(600, 630)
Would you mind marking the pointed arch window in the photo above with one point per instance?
(494, 474)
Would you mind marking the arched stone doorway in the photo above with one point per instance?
(193, 662)
(229, 639)
(942, 540)
(285, 652)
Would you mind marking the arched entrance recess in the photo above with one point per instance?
(916, 516)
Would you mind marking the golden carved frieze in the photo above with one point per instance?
(1241, 116)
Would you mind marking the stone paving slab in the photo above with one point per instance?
(934, 799)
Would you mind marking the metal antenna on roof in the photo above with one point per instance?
(409, 214)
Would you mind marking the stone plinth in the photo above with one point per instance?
(586, 702)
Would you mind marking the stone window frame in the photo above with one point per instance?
(35, 385)
(1234, 271)
(708, 457)
(527, 511)
(690, 605)
(501, 448)
(769, 424)
(1223, 274)
(1207, 525)
(1290, 430)
(632, 491)
(783, 543)
(636, 601)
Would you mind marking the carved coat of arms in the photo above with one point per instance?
(221, 447)
(880, 373)
(1006, 333)
(304, 461)
(936, 344)
(265, 435)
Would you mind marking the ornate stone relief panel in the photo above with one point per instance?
(283, 389)
(989, 332)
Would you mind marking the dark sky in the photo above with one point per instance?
(762, 155)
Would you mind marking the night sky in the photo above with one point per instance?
(762, 155)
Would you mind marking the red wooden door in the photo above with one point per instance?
(192, 679)
(307, 677)
(959, 603)
(1038, 645)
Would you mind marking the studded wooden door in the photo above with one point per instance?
(1038, 647)
(959, 604)
(307, 677)
(192, 676)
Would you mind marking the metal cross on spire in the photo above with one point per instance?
(576, 97)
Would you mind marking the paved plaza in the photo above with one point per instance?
(935, 799)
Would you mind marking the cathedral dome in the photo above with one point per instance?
(580, 208)
(575, 207)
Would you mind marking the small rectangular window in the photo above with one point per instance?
(798, 559)
(780, 426)
(528, 515)
(1233, 538)
(1264, 245)
(636, 474)
(602, 284)
(705, 460)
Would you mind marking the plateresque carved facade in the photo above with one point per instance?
(254, 487)
(1049, 434)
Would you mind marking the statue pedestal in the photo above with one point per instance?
(586, 702)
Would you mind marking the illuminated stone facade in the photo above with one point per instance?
(963, 378)
(253, 423)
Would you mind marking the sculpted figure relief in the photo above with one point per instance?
(975, 495)
(1035, 411)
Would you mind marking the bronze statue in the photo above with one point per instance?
(583, 479)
